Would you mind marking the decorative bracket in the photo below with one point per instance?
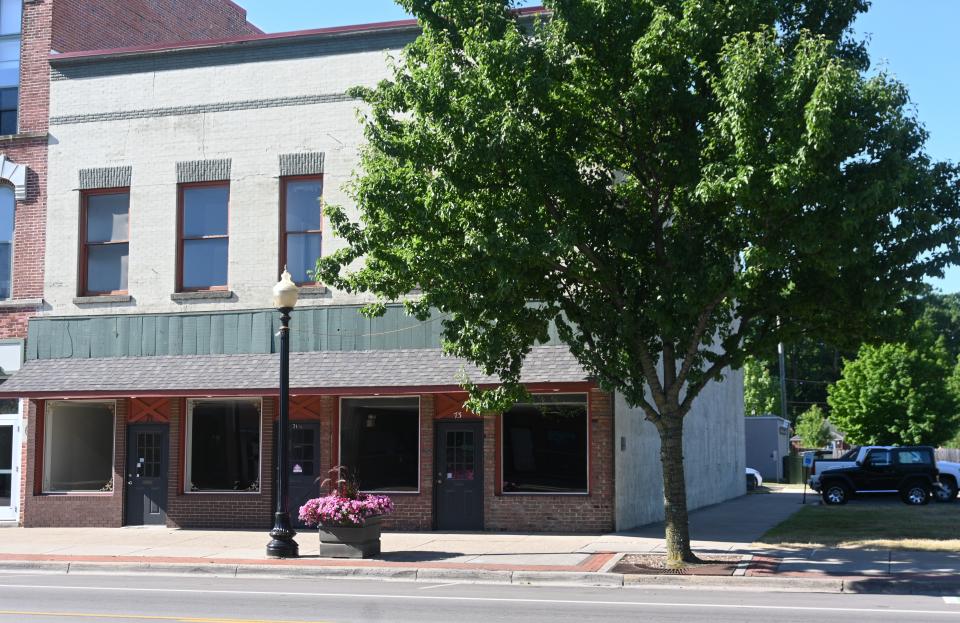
(16, 174)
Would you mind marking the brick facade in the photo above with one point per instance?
(219, 510)
(561, 513)
(68, 26)
(93, 510)
(103, 24)
(593, 512)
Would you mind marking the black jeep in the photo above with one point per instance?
(910, 471)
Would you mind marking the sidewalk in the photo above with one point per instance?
(725, 529)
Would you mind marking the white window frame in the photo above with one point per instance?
(188, 447)
(502, 441)
(47, 429)
(12, 512)
(419, 437)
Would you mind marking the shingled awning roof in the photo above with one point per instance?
(311, 372)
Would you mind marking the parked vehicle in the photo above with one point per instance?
(949, 472)
(911, 471)
(754, 479)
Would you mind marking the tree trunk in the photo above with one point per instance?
(677, 528)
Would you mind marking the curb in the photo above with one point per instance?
(858, 585)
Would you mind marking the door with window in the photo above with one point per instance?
(459, 476)
(9, 464)
(146, 499)
(304, 463)
(877, 472)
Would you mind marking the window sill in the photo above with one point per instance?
(83, 494)
(21, 304)
(221, 493)
(202, 295)
(102, 299)
(4, 138)
(309, 291)
(514, 494)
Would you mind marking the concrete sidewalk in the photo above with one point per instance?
(580, 559)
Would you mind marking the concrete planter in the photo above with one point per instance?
(351, 541)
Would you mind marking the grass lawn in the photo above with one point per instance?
(935, 527)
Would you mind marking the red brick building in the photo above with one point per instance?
(30, 31)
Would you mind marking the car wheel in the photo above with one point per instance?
(751, 482)
(947, 492)
(835, 493)
(916, 494)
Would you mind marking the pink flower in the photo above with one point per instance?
(333, 510)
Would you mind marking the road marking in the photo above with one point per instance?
(142, 617)
(521, 600)
(952, 600)
(426, 588)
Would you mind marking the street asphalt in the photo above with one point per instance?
(120, 599)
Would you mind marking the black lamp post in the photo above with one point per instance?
(282, 545)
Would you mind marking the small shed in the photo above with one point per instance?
(767, 442)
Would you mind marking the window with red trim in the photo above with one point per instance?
(105, 239)
(301, 225)
(203, 236)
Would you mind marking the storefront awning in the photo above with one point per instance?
(404, 371)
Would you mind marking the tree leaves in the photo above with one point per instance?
(671, 185)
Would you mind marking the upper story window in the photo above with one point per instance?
(203, 238)
(10, 18)
(106, 246)
(301, 226)
(7, 212)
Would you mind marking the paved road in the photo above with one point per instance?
(117, 599)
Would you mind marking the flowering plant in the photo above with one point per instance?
(345, 505)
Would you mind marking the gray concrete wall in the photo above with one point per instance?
(713, 454)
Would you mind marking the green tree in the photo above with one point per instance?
(761, 390)
(896, 394)
(953, 385)
(942, 313)
(813, 428)
(674, 185)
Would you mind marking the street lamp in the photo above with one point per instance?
(282, 545)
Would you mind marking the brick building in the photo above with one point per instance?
(30, 30)
(182, 179)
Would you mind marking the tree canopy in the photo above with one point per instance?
(761, 390)
(674, 185)
(813, 428)
(895, 394)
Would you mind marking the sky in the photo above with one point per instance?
(915, 40)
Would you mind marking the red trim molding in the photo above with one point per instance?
(571, 387)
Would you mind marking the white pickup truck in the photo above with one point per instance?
(949, 471)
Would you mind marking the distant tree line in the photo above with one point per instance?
(904, 389)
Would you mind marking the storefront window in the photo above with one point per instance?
(223, 446)
(380, 442)
(545, 445)
(78, 447)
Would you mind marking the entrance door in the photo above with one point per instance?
(459, 476)
(304, 466)
(147, 475)
(9, 469)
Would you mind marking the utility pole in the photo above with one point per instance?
(783, 381)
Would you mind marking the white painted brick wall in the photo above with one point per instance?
(252, 139)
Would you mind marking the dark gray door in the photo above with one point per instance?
(304, 465)
(147, 456)
(459, 476)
